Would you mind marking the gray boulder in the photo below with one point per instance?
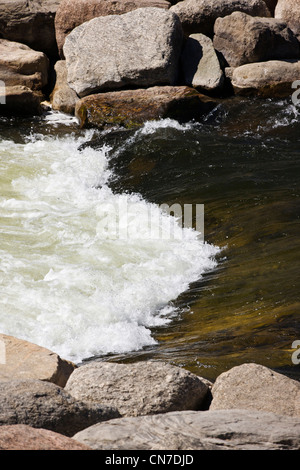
(139, 48)
(72, 13)
(30, 22)
(21, 65)
(24, 437)
(200, 64)
(199, 16)
(25, 360)
(272, 79)
(138, 389)
(63, 98)
(256, 387)
(196, 430)
(24, 72)
(289, 11)
(45, 405)
(244, 39)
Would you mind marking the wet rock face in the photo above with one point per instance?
(138, 49)
(131, 108)
(72, 13)
(243, 39)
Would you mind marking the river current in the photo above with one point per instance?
(69, 282)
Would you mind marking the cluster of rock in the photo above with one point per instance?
(48, 403)
(89, 56)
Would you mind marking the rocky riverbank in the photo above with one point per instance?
(49, 403)
(108, 61)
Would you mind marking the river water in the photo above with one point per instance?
(69, 283)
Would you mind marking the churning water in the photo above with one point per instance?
(66, 282)
(69, 283)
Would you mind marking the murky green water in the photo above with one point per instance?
(243, 164)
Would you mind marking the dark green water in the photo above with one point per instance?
(243, 164)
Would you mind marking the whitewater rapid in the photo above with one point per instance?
(66, 282)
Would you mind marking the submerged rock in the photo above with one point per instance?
(196, 430)
(243, 39)
(45, 405)
(272, 79)
(25, 360)
(138, 49)
(199, 16)
(256, 387)
(72, 13)
(131, 108)
(138, 389)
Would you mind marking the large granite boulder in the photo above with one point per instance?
(289, 11)
(24, 73)
(25, 360)
(138, 389)
(200, 64)
(139, 48)
(272, 79)
(244, 39)
(46, 405)
(131, 108)
(30, 22)
(256, 387)
(195, 430)
(72, 13)
(199, 16)
(23, 437)
(63, 98)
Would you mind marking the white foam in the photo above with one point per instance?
(150, 127)
(66, 285)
